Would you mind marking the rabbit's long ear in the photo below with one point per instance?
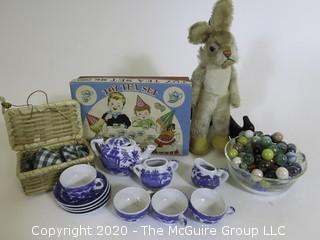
(199, 32)
(222, 15)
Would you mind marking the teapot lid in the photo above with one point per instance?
(119, 141)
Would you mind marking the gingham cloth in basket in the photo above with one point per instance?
(71, 152)
(45, 157)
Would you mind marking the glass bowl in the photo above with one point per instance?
(262, 185)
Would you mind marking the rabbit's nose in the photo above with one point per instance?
(227, 53)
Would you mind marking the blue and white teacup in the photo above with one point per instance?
(207, 175)
(169, 206)
(208, 206)
(131, 203)
(79, 181)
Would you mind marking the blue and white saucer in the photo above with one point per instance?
(94, 200)
(89, 208)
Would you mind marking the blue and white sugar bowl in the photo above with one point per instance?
(170, 205)
(120, 154)
(131, 203)
(156, 172)
(206, 175)
(208, 206)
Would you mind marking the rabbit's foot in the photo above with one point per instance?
(219, 142)
(199, 145)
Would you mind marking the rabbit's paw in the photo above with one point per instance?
(199, 145)
(219, 142)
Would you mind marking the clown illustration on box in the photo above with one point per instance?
(142, 113)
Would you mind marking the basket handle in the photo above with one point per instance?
(28, 98)
(6, 105)
(37, 91)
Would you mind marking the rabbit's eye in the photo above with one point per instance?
(212, 49)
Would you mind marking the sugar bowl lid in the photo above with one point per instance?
(120, 141)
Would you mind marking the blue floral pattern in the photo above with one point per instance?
(156, 178)
(119, 141)
(83, 197)
(120, 154)
(119, 160)
(203, 218)
(202, 180)
(210, 219)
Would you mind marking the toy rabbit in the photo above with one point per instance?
(214, 85)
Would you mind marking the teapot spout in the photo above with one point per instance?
(147, 153)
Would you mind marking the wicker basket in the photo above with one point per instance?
(49, 125)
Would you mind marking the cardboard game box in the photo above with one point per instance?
(151, 110)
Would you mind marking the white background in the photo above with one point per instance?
(44, 44)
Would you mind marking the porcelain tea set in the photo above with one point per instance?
(120, 154)
(170, 205)
(82, 188)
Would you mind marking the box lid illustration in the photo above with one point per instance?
(151, 110)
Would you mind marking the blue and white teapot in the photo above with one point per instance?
(120, 154)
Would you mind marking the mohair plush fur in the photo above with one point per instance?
(214, 81)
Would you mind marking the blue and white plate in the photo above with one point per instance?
(87, 210)
(90, 208)
(95, 200)
(103, 197)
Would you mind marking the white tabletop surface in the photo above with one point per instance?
(45, 44)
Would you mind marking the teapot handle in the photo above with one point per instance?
(93, 143)
(137, 169)
(223, 174)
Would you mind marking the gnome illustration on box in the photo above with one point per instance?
(166, 141)
(142, 113)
